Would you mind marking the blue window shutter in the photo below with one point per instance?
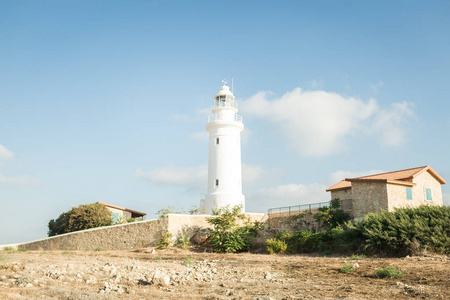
(429, 198)
(408, 193)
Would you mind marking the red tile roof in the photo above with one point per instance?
(134, 212)
(403, 177)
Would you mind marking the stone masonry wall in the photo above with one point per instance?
(298, 220)
(368, 197)
(118, 237)
(127, 236)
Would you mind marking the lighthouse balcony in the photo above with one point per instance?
(236, 118)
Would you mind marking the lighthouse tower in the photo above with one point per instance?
(224, 164)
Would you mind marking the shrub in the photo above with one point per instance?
(184, 242)
(406, 229)
(79, 218)
(188, 261)
(275, 246)
(227, 235)
(357, 257)
(388, 272)
(332, 216)
(347, 268)
(165, 241)
(7, 248)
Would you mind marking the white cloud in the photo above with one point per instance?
(19, 181)
(5, 154)
(287, 195)
(317, 123)
(179, 118)
(192, 177)
(390, 123)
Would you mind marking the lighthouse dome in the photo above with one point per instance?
(224, 91)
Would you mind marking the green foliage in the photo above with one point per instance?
(275, 246)
(404, 231)
(99, 249)
(332, 216)
(79, 218)
(188, 261)
(165, 211)
(347, 268)
(227, 235)
(184, 242)
(22, 249)
(165, 241)
(7, 248)
(388, 272)
(195, 210)
(357, 256)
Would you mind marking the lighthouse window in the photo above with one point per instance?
(217, 182)
(217, 141)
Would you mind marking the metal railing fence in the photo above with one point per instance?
(296, 208)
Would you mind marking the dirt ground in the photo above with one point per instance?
(191, 274)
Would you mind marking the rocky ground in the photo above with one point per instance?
(192, 274)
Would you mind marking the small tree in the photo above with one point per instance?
(332, 215)
(79, 218)
(227, 235)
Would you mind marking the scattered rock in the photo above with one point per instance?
(202, 235)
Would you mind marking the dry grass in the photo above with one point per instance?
(240, 276)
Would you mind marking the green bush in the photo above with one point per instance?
(357, 256)
(332, 216)
(388, 272)
(404, 231)
(275, 246)
(407, 230)
(79, 218)
(184, 242)
(165, 241)
(227, 235)
(347, 268)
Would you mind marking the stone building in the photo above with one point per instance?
(386, 191)
(122, 212)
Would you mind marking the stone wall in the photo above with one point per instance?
(297, 220)
(118, 237)
(368, 197)
(127, 236)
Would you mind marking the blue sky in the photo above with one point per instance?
(108, 100)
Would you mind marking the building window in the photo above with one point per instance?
(428, 193)
(217, 141)
(115, 217)
(408, 193)
(217, 183)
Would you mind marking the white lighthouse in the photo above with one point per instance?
(224, 164)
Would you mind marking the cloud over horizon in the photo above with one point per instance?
(192, 177)
(318, 123)
(19, 181)
(5, 154)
